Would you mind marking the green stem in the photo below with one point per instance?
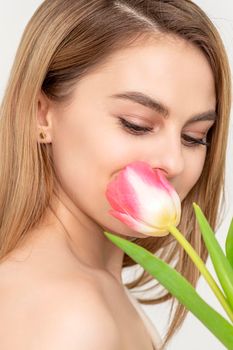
(202, 268)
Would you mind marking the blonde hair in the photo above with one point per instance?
(63, 42)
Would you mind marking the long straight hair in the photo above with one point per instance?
(63, 42)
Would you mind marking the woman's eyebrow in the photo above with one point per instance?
(149, 102)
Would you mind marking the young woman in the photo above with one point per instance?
(97, 85)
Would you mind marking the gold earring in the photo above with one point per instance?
(42, 135)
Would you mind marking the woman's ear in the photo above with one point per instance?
(44, 119)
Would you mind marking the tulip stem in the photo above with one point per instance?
(202, 268)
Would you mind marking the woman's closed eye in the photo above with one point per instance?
(135, 129)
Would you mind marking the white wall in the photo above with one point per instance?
(14, 15)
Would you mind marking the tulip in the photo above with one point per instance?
(142, 199)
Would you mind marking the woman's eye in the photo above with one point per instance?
(194, 142)
(134, 128)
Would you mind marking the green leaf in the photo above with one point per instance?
(220, 262)
(202, 268)
(229, 244)
(178, 286)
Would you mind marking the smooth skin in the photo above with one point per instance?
(68, 288)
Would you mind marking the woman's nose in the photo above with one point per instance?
(170, 159)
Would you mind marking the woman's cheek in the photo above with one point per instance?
(193, 170)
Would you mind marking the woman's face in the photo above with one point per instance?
(142, 104)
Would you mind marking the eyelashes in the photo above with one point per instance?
(196, 142)
(137, 130)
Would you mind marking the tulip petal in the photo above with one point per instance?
(137, 225)
(150, 177)
(122, 196)
(147, 196)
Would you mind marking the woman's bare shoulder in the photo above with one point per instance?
(76, 317)
(68, 314)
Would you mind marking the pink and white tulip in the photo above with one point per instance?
(144, 200)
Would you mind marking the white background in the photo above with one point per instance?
(14, 15)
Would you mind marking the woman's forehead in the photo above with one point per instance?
(173, 72)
